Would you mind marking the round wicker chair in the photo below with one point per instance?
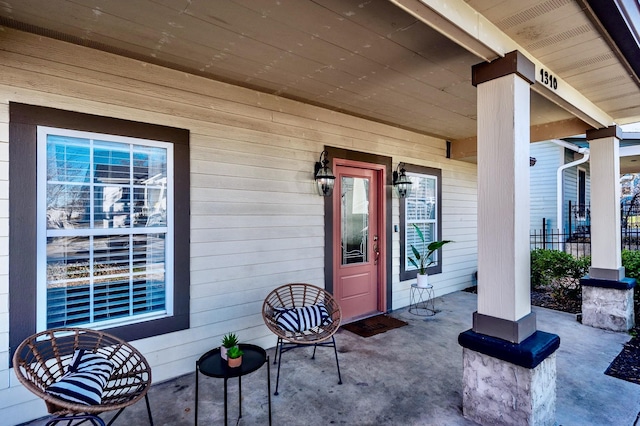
(298, 295)
(42, 359)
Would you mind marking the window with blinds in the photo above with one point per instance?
(105, 229)
(421, 210)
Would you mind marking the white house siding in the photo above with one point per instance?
(549, 157)
(256, 221)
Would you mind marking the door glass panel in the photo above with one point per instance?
(354, 226)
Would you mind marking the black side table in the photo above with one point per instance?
(211, 364)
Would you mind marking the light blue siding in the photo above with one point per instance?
(543, 195)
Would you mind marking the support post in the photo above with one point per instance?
(607, 295)
(509, 367)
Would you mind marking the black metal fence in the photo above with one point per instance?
(576, 239)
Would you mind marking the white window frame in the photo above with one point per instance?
(414, 177)
(43, 233)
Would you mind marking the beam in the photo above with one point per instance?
(462, 24)
(467, 149)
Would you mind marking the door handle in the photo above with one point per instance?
(376, 251)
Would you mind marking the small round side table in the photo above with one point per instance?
(421, 300)
(211, 364)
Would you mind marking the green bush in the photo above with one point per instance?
(631, 263)
(548, 266)
(559, 273)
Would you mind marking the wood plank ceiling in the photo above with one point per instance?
(368, 58)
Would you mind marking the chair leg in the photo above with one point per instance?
(335, 349)
(275, 357)
(314, 352)
(146, 397)
(279, 345)
(113, 419)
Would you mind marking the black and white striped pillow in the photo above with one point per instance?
(86, 377)
(302, 319)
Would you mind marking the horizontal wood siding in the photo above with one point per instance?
(256, 220)
(549, 157)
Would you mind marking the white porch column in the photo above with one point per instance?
(509, 369)
(607, 296)
(503, 198)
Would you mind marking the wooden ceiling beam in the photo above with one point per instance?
(467, 149)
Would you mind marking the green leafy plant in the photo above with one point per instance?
(422, 259)
(631, 263)
(229, 340)
(559, 273)
(234, 352)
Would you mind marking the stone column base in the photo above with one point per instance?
(518, 391)
(608, 304)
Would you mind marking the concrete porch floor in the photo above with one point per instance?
(407, 376)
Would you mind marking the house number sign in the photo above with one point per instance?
(548, 79)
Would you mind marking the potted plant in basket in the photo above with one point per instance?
(235, 356)
(229, 340)
(423, 259)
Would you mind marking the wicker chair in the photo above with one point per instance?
(42, 359)
(291, 296)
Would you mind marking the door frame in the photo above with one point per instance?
(383, 164)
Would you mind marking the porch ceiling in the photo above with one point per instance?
(367, 58)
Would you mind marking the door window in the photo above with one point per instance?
(354, 221)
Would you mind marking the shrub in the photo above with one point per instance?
(559, 273)
(631, 263)
(550, 265)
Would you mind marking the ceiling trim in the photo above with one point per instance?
(614, 28)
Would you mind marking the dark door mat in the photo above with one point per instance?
(626, 365)
(374, 325)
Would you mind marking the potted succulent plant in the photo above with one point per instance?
(423, 258)
(229, 340)
(235, 356)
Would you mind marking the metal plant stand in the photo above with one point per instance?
(421, 300)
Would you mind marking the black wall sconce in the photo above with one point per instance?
(401, 182)
(324, 176)
(532, 161)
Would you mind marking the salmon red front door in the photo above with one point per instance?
(356, 241)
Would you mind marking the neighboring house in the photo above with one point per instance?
(561, 172)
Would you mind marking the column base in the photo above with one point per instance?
(608, 304)
(509, 384)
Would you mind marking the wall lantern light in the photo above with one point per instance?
(532, 161)
(324, 176)
(401, 182)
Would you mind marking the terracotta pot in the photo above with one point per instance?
(235, 362)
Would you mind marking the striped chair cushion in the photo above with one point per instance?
(302, 319)
(84, 380)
